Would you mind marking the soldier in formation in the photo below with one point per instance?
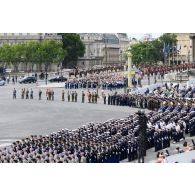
(14, 93)
(107, 142)
(40, 93)
(31, 94)
(83, 97)
(63, 95)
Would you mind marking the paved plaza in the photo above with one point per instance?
(20, 118)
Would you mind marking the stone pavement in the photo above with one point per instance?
(20, 118)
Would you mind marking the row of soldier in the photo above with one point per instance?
(111, 141)
(72, 96)
(164, 69)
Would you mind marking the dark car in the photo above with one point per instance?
(58, 79)
(2, 82)
(28, 79)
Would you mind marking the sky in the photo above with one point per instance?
(141, 35)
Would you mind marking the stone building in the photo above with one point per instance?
(103, 49)
(15, 38)
(184, 44)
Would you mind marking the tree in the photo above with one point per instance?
(168, 39)
(16, 55)
(73, 47)
(29, 53)
(50, 51)
(151, 52)
(5, 54)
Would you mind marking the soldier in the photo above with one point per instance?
(83, 97)
(27, 94)
(93, 97)
(75, 96)
(104, 96)
(89, 97)
(62, 95)
(40, 92)
(96, 97)
(109, 99)
(31, 94)
(22, 94)
(49, 93)
(52, 95)
(14, 93)
(72, 95)
(68, 96)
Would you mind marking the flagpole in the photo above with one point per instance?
(164, 54)
(169, 58)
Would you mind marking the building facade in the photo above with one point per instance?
(185, 47)
(103, 49)
(16, 38)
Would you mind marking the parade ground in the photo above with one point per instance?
(21, 118)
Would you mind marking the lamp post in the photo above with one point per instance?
(61, 70)
(130, 71)
(46, 67)
(121, 57)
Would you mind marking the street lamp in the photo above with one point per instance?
(121, 60)
(61, 70)
(130, 72)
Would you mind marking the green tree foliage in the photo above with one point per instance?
(74, 47)
(46, 52)
(168, 39)
(151, 52)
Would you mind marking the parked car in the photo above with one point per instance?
(2, 82)
(28, 79)
(57, 79)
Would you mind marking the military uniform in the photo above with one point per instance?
(68, 96)
(40, 93)
(75, 94)
(83, 97)
(63, 95)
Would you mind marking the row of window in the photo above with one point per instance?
(15, 34)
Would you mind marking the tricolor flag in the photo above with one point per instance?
(178, 47)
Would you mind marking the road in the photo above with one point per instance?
(20, 118)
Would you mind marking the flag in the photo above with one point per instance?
(178, 47)
(166, 49)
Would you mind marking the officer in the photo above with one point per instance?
(52, 95)
(62, 95)
(14, 93)
(68, 94)
(89, 97)
(93, 97)
(83, 97)
(72, 95)
(96, 97)
(75, 96)
(22, 94)
(31, 94)
(27, 94)
(40, 93)
(104, 99)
